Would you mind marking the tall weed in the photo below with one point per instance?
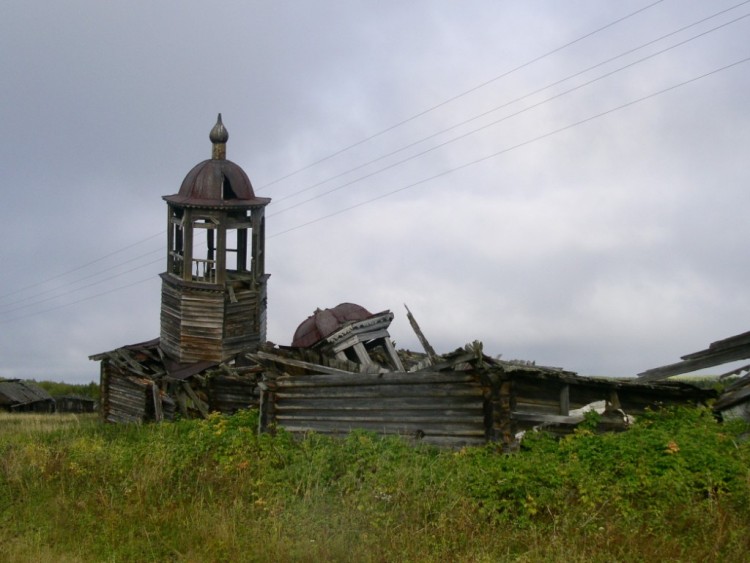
(675, 486)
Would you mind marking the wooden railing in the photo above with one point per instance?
(204, 270)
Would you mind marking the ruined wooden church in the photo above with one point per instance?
(341, 370)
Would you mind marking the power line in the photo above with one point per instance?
(430, 178)
(462, 94)
(160, 250)
(514, 147)
(358, 179)
(88, 298)
(521, 98)
(80, 288)
(505, 118)
(81, 267)
(373, 136)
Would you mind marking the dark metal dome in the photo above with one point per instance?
(325, 322)
(217, 182)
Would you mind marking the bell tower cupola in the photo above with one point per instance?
(214, 289)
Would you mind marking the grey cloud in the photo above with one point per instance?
(607, 248)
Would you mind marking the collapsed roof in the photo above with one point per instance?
(348, 375)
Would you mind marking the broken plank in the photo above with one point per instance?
(200, 405)
(358, 379)
(298, 363)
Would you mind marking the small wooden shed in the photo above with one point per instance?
(17, 395)
(75, 404)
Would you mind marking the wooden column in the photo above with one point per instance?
(221, 253)
(258, 225)
(241, 250)
(393, 354)
(565, 400)
(187, 259)
(170, 240)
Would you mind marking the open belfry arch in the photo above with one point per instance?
(214, 290)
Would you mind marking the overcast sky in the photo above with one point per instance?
(567, 182)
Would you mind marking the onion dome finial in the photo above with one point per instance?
(219, 137)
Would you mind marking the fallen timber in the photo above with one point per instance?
(342, 370)
(458, 399)
(734, 402)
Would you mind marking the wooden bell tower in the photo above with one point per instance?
(213, 299)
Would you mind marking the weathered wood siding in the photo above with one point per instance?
(75, 404)
(124, 397)
(191, 322)
(199, 323)
(524, 399)
(442, 408)
(228, 394)
(245, 320)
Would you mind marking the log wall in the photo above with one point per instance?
(441, 408)
(200, 323)
(124, 397)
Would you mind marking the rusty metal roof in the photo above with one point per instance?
(210, 182)
(217, 182)
(324, 322)
(15, 392)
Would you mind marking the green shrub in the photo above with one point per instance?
(676, 486)
(57, 388)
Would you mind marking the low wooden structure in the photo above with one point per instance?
(75, 404)
(456, 399)
(466, 398)
(213, 302)
(140, 384)
(342, 370)
(17, 395)
(735, 400)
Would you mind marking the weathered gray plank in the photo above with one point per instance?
(393, 378)
(384, 428)
(345, 403)
(380, 391)
(539, 418)
(298, 363)
(388, 417)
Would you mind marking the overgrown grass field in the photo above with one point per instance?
(676, 487)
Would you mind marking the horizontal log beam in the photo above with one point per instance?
(705, 361)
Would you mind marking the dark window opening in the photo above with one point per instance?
(226, 190)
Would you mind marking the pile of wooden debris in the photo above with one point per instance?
(343, 372)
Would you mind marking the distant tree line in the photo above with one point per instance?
(58, 388)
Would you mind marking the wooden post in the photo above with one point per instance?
(241, 250)
(565, 400)
(221, 253)
(393, 354)
(266, 406)
(170, 240)
(502, 415)
(182, 402)
(187, 261)
(257, 242)
(158, 412)
(420, 335)
(200, 405)
(262, 408)
(614, 401)
(364, 357)
(210, 245)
